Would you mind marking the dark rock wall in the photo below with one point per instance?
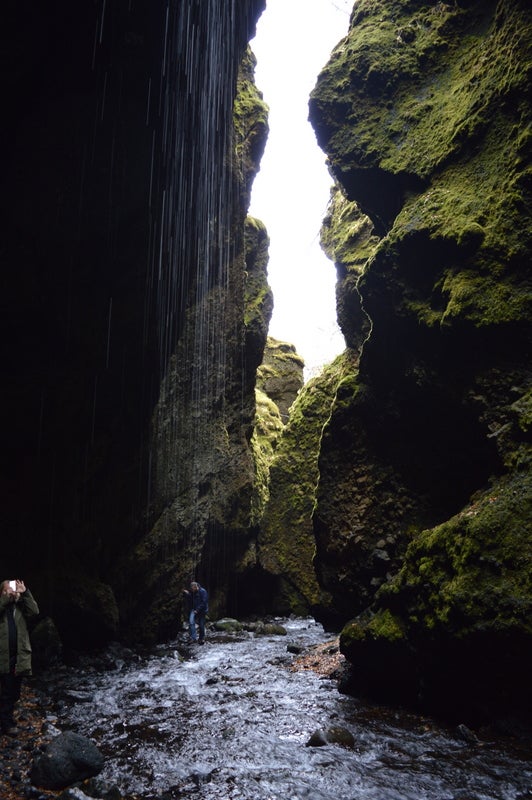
(423, 111)
(114, 166)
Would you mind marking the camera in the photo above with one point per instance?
(13, 585)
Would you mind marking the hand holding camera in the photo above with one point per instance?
(15, 588)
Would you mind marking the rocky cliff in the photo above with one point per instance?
(280, 375)
(203, 468)
(422, 520)
(127, 168)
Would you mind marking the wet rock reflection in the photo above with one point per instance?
(232, 720)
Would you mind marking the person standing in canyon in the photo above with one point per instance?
(197, 604)
(17, 605)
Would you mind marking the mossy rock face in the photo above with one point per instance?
(348, 238)
(422, 114)
(473, 572)
(280, 375)
(389, 466)
(279, 379)
(87, 609)
(457, 619)
(365, 497)
(384, 663)
(250, 118)
(258, 296)
(266, 433)
(286, 543)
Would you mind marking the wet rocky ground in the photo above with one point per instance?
(254, 717)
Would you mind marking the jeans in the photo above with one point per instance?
(200, 619)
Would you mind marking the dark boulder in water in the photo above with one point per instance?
(68, 758)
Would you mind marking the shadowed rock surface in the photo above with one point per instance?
(423, 505)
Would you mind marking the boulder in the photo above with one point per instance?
(270, 629)
(69, 758)
(46, 644)
(331, 735)
(228, 625)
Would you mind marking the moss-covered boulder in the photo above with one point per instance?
(423, 112)
(227, 625)
(270, 629)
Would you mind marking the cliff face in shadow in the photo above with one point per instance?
(422, 520)
(126, 177)
(203, 471)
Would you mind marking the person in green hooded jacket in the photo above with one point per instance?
(16, 606)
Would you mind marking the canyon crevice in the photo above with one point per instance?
(153, 433)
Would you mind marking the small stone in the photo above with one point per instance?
(294, 648)
(467, 734)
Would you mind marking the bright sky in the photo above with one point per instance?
(291, 192)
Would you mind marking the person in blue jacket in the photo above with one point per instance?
(197, 605)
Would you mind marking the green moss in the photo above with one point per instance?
(267, 429)
(258, 299)
(255, 225)
(279, 352)
(469, 225)
(385, 625)
(473, 571)
(347, 235)
(286, 540)
(352, 633)
(460, 72)
(522, 408)
(250, 118)
(433, 94)
(382, 627)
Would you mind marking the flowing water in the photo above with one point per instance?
(232, 720)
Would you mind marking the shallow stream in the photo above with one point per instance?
(232, 720)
